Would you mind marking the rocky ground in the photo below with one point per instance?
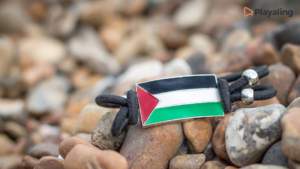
(56, 56)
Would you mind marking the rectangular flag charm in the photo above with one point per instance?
(179, 98)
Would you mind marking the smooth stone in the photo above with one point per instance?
(291, 134)
(89, 117)
(197, 62)
(282, 78)
(13, 161)
(218, 138)
(294, 103)
(295, 91)
(102, 137)
(7, 59)
(85, 136)
(236, 40)
(49, 95)
(202, 43)
(82, 156)
(6, 145)
(194, 161)
(68, 144)
(42, 49)
(198, 132)
(294, 164)
(44, 149)
(209, 152)
(172, 36)
(50, 163)
(87, 47)
(29, 162)
(177, 67)
(287, 33)
(250, 132)
(15, 130)
(152, 147)
(290, 56)
(191, 13)
(67, 124)
(11, 109)
(213, 165)
(274, 156)
(266, 54)
(260, 166)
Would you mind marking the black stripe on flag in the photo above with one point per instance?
(179, 83)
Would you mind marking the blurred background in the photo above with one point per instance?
(56, 56)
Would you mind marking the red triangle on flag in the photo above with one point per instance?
(147, 103)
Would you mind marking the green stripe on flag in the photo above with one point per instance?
(185, 111)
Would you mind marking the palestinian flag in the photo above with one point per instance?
(179, 98)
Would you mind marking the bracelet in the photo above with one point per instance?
(191, 97)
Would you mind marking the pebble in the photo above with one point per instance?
(68, 144)
(191, 13)
(294, 103)
(172, 36)
(50, 163)
(266, 54)
(287, 34)
(11, 109)
(89, 117)
(42, 50)
(194, 161)
(202, 43)
(86, 47)
(82, 156)
(6, 145)
(85, 136)
(251, 131)
(198, 132)
(7, 57)
(290, 56)
(197, 62)
(236, 40)
(44, 149)
(291, 134)
(282, 78)
(29, 162)
(294, 164)
(152, 147)
(13, 161)
(218, 138)
(137, 72)
(260, 166)
(295, 91)
(102, 137)
(177, 67)
(15, 130)
(50, 95)
(213, 165)
(274, 156)
(67, 124)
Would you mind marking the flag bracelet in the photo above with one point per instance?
(180, 98)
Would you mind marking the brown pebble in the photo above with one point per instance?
(152, 147)
(49, 162)
(189, 161)
(218, 138)
(44, 149)
(213, 165)
(290, 56)
(29, 162)
(295, 92)
(66, 146)
(82, 156)
(291, 134)
(198, 132)
(282, 78)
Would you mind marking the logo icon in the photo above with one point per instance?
(247, 10)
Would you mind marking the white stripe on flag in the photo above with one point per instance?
(190, 96)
